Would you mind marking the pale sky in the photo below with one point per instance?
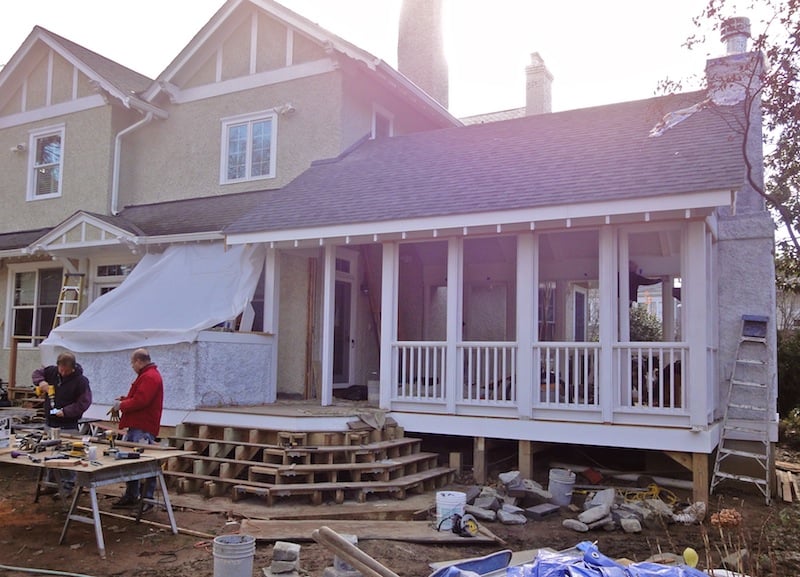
(599, 52)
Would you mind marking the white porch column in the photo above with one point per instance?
(695, 322)
(328, 303)
(667, 310)
(609, 305)
(272, 298)
(455, 256)
(526, 324)
(388, 326)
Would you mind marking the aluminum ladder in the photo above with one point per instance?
(69, 298)
(744, 444)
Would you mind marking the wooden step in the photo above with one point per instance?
(336, 472)
(398, 488)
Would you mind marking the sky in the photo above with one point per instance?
(598, 51)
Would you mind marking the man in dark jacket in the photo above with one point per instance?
(67, 395)
(66, 392)
(141, 415)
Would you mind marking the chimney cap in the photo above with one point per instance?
(734, 32)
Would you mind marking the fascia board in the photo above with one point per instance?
(190, 49)
(688, 202)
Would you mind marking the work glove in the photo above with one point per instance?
(113, 412)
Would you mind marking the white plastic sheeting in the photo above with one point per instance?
(168, 298)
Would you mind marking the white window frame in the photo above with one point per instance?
(248, 120)
(13, 271)
(33, 167)
(98, 283)
(380, 111)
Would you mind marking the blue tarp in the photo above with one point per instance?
(594, 564)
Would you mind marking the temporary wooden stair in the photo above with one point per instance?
(240, 462)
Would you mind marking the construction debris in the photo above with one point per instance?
(285, 560)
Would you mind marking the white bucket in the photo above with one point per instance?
(449, 503)
(560, 486)
(233, 555)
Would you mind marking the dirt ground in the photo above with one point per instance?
(29, 535)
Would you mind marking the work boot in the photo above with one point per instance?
(125, 502)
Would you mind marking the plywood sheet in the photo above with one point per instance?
(416, 531)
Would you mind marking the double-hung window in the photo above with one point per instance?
(248, 147)
(47, 160)
(34, 302)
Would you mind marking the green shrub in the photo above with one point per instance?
(788, 372)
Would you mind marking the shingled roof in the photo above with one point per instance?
(194, 215)
(588, 155)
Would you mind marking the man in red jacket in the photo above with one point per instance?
(141, 415)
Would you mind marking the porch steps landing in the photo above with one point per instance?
(242, 462)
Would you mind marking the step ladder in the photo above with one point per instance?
(744, 444)
(69, 298)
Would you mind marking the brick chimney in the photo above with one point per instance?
(538, 87)
(420, 47)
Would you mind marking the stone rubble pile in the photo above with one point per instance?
(518, 500)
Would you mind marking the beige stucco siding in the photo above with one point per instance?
(192, 137)
(86, 170)
(271, 44)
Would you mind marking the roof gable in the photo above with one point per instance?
(85, 230)
(252, 42)
(58, 71)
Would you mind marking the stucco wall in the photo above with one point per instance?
(219, 369)
(746, 286)
(192, 136)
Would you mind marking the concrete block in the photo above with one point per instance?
(541, 511)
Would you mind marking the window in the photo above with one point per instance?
(46, 163)
(110, 276)
(248, 147)
(382, 123)
(34, 303)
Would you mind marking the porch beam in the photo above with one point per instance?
(526, 323)
(388, 326)
(272, 298)
(479, 460)
(454, 322)
(328, 297)
(608, 310)
(695, 317)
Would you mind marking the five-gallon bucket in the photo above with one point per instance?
(449, 503)
(233, 555)
(560, 487)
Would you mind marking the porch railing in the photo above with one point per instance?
(651, 374)
(648, 375)
(568, 373)
(490, 372)
(420, 369)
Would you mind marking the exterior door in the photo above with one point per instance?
(344, 318)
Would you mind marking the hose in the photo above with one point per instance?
(42, 571)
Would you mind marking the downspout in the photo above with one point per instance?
(115, 170)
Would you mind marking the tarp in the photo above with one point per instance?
(168, 298)
(594, 564)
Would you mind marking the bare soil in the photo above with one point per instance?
(29, 535)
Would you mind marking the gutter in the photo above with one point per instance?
(117, 148)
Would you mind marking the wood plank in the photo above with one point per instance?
(784, 485)
(787, 466)
(412, 531)
(795, 485)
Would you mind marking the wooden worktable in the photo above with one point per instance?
(106, 470)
